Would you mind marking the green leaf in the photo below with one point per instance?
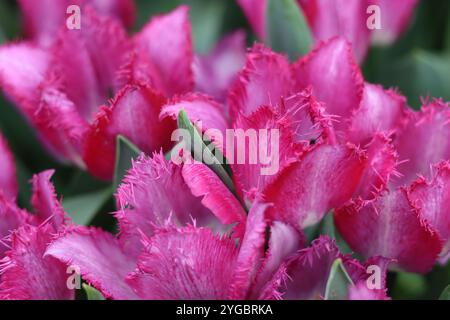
(338, 282)
(420, 74)
(287, 30)
(445, 295)
(125, 152)
(409, 286)
(92, 293)
(200, 150)
(83, 208)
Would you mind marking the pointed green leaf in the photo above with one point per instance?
(125, 153)
(92, 293)
(202, 151)
(338, 282)
(287, 30)
(83, 208)
(445, 295)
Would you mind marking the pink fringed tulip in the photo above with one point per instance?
(62, 89)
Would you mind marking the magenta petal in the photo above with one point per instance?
(255, 10)
(430, 128)
(8, 180)
(204, 183)
(433, 197)
(166, 40)
(360, 291)
(11, 218)
(334, 76)
(309, 269)
(133, 114)
(265, 79)
(395, 18)
(26, 274)
(215, 72)
(44, 200)
(23, 67)
(284, 242)
(382, 161)
(380, 110)
(90, 76)
(251, 177)
(185, 264)
(198, 107)
(152, 194)
(390, 226)
(251, 252)
(99, 257)
(325, 178)
(344, 18)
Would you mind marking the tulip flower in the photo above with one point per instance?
(8, 182)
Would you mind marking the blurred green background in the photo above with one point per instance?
(418, 64)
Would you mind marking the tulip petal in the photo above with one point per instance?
(255, 10)
(215, 73)
(395, 18)
(166, 40)
(99, 258)
(390, 226)
(334, 76)
(152, 194)
(11, 218)
(344, 18)
(433, 197)
(26, 274)
(251, 252)
(431, 144)
(8, 180)
(133, 114)
(380, 111)
(325, 178)
(185, 264)
(44, 200)
(265, 79)
(198, 107)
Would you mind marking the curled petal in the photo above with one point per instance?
(44, 200)
(265, 79)
(431, 144)
(251, 252)
(380, 110)
(395, 18)
(325, 178)
(433, 197)
(8, 180)
(255, 10)
(26, 274)
(185, 264)
(204, 183)
(152, 193)
(133, 114)
(215, 72)
(334, 76)
(390, 226)
(198, 107)
(166, 40)
(344, 18)
(99, 258)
